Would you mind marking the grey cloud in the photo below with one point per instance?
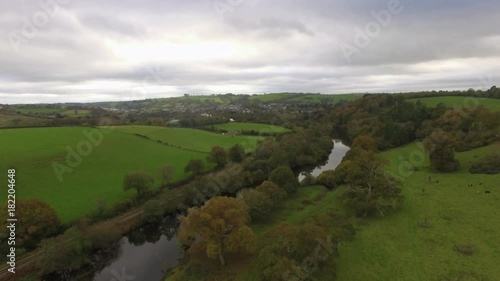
(258, 46)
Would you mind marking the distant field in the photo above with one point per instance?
(396, 248)
(304, 98)
(460, 102)
(10, 120)
(39, 110)
(192, 139)
(319, 98)
(261, 128)
(271, 97)
(76, 113)
(32, 151)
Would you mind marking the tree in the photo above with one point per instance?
(141, 181)
(440, 146)
(259, 204)
(36, 220)
(290, 250)
(263, 199)
(153, 212)
(218, 156)
(370, 189)
(64, 254)
(272, 191)
(218, 227)
(365, 142)
(333, 178)
(285, 178)
(167, 173)
(237, 153)
(194, 166)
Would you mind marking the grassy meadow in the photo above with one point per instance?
(11, 120)
(190, 139)
(33, 151)
(396, 247)
(261, 128)
(76, 113)
(460, 102)
(43, 111)
(304, 98)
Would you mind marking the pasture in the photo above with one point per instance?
(304, 98)
(399, 247)
(459, 102)
(190, 139)
(416, 242)
(260, 128)
(39, 111)
(99, 174)
(14, 120)
(76, 113)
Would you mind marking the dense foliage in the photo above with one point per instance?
(487, 165)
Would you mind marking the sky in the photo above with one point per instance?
(55, 51)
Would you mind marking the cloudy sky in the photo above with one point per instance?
(79, 51)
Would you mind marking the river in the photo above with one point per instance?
(334, 159)
(146, 252)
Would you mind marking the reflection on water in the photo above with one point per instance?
(334, 159)
(144, 254)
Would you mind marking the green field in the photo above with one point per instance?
(33, 151)
(76, 113)
(261, 128)
(191, 139)
(11, 120)
(42, 111)
(319, 98)
(304, 98)
(397, 248)
(272, 97)
(460, 102)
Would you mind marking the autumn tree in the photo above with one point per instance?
(194, 166)
(272, 191)
(64, 254)
(218, 156)
(285, 178)
(263, 199)
(236, 153)
(36, 220)
(217, 228)
(440, 146)
(365, 142)
(289, 249)
(141, 181)
(333, 178)
(371, 190)
(167, 173)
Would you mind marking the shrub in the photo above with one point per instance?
(487, 165)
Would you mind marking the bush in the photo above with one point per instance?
(487, 165)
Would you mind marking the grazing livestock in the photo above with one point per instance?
(487, 191)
